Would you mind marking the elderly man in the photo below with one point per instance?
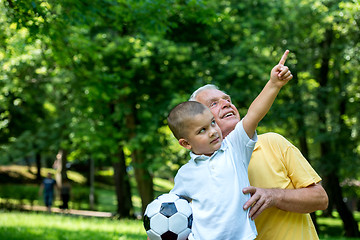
(284, 187)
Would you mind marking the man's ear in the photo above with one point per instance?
(183, 142)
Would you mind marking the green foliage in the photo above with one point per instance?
(22, 193)
(99, 77)
(80, 196)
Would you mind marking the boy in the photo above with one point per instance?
(217, 170)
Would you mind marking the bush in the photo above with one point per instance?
(80, 196)
(19, 193)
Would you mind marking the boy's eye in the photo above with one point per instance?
(202, 130)
(213, 123)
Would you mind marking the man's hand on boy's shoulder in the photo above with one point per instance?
(281, 74)
(261, 199)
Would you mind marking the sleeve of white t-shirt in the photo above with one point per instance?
(239, 139)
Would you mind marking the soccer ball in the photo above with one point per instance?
(168, 217)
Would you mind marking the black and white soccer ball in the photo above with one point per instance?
(168, 217)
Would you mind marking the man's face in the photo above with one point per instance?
(225, 113)
(203, 134)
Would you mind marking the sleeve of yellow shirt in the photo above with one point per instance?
(299, 169)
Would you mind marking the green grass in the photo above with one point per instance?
(332, 228)
(15, 225)
(34, 226)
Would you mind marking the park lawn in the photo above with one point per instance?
(105, 191)
(332, 228)
(40, 226)
(36, 226)
(15, 225)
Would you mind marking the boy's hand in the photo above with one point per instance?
(281, 74)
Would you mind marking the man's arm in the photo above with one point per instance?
(302, 200)
(41, 189)
(279, 76)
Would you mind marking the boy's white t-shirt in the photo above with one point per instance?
(215, 186)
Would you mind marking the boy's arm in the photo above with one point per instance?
(279, 76)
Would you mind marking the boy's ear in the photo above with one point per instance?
(184, 143)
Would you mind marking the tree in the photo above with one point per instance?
(97, 79)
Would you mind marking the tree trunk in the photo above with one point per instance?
(328, 212)
(38, 167)
(60, 166)
(143, 177)
(121, 177)
(122, 186)
(329, 154)
(92, 181)
(323, 104)
(350, 224)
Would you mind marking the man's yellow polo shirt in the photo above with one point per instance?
(276, 163)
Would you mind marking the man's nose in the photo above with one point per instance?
(224, 103)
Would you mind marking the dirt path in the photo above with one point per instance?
(84, 213)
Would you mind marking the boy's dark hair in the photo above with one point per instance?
(180, 116)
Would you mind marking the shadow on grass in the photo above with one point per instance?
(37, 226)
(331, 228)
(44, 233)
(331, 231)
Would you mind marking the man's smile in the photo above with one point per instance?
(229, 114)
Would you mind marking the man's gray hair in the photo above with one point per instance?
(200, 89)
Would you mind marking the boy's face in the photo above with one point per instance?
(203, 134)
(225, 113)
